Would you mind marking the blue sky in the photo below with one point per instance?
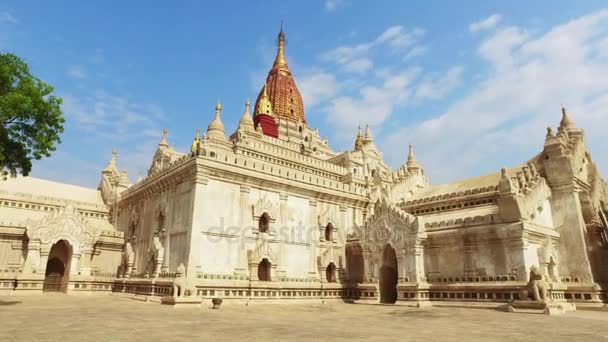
(472, 86)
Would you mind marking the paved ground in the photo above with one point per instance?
(108, 318)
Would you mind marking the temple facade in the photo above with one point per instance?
(272, 213)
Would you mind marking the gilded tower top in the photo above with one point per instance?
(281, 88)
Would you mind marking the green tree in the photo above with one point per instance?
(31, 117)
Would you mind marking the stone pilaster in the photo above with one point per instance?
(244, 228)
(314, 238)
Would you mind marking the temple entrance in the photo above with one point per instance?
(330, 273)
(57, 274)
(388, 276)
(264, 270)
(354, 262)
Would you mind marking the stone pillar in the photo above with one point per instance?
(283, 225)
(75, 264)
(414, 263)
(402, 268)
(516, 260)
(194, 235)
(314, 238)
(244, 229)
(85, 263)
(32, 260)
(367, 265)
(568, 218)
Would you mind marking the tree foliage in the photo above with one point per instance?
(31, 118)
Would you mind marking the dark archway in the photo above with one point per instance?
(57, 274)
(354, 262)
(264, 270)
(264, 223)
(388, 276)
(330, 273)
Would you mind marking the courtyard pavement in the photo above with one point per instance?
(109, 318)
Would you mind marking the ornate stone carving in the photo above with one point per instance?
(537, 289)
(264, 205)
(181, 286)
(64, 224)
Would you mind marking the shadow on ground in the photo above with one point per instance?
(9, 302)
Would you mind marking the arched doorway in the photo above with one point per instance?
(388, 276)
(264, 223)
(264, 270)
(328, 230)
(354, 262)
(330, 273)
(57, 274)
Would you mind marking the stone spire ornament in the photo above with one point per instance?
(246, 121)
(111, 167)
(368, 135)
(412, 163)
(216, 130)
(566, 122)
(163, 140)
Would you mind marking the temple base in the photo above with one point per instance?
(551, 308)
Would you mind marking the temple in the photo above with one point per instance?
(271, 213)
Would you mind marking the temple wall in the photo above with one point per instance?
(107, 261)
(569, 223)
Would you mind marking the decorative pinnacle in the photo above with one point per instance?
(163, 140)
(411, 159)
(368, 134)
(566, 120)
(280, 62)
(218, 107)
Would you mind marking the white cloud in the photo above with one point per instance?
(415, 51)
(485, 24)
(502, 120)
(359, 65)
(357, 58)
(440, 86)
(6, 17)
(111, 117)
(331, 5)
(317, 87)
(76, 71)
(372, 104)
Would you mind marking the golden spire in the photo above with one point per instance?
(359, 140)
(163, 141)
(280, 62)
(264, 105)
(196, 140)
(218, 108)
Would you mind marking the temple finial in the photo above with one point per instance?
(111, 167)
(368, 135)
(280, 62)
(566, 122)
(163, 140)
(359, 140)
(216, 127)
(264, 105)
(412, 163)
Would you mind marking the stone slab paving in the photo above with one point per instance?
(109, 318)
